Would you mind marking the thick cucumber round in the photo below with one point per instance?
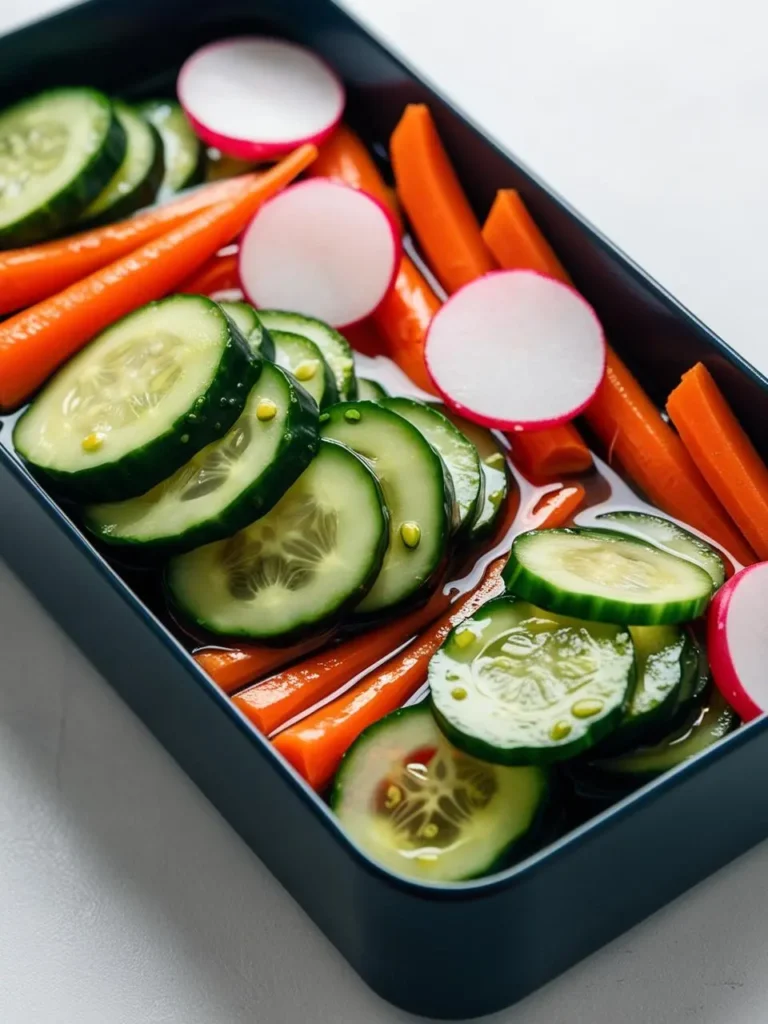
(336, 350)
(423, 809)
(457, 452)
(136, 181)
(517, 685)
(140, 400)
(305, 361)
(493, 464)
(370, 390)
(57, 152)
(416, 490)
(668, 536)
(184, 153)
(230, 483)
(300, 567)
(250, 326)
(607, 577)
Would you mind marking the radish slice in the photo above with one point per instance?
(515, 350)
(737, 641)
(323, 249)
(256, 98)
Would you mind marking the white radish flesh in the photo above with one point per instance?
(737, 641)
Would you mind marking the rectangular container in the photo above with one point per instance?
(444, 952)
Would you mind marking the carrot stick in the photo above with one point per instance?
(231, 668)
(557, 507)
(28, 275)
(633, 432)
(403, 318)
(550, 453)
(436, 205)
(34, 343)
(364, 337)
(515, 241)
(219, 274)
(723, 452)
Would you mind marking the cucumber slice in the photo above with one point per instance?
(140, 400)
(493, 464)
(606, 577)
(370, 390)
(250, 326)
(228, 484)
(305, 361)
(184, 153)
(667, 536)
(423, 809)
(457, 452)
(695, 678)
(416, 491)
(137, 179)
(517, 685)
(57, 152)
(300, 567)
(336, 350)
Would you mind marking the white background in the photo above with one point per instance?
(124, 898)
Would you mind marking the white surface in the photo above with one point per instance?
(124, 898)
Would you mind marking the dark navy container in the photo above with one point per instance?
(444, 952)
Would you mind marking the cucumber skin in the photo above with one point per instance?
(140, 470)
(291, 459)
(197, 174)
(370, 390)
(64, 209)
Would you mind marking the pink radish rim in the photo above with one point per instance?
(249, 149)
(718, 649)
(397, 244)
(516, 426)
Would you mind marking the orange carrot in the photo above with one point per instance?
(723, 452)
(557, 507)
(28, 275)
(403, 318)
(219, 274)
(515, 241)
(364, 337)
(633, 432)
(437, 208)
(34, 343)
(550, 453)
(232, 668)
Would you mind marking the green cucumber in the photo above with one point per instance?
(493, 464)
(416, 490)
(250, 326)
(370, 390)
(668, 536)
(457, 452)
(57, 152)
(304, 360)
(136, 181)
(514, 684)
(336, 350)
(184, 153)
(607, 577)
(230, 483)
(423, 809)
(297, 569)
(138, 402)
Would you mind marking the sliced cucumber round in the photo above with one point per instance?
(250, 326)
(457, 452)
(140, 400)
(58, 150)
(336, 350)
(298, 568)
(305, 361)
(668, 536)
(136, 181)
(184, 153)
(370, 390)
(230, 483)
(416, 490)
(493, 464)
(607, 577)
(517, 685)
(424, 809)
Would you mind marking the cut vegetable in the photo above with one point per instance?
(136, 181)
(737, 641)
(250, 326)
(403, 319)
(550, 454)
(370, 390)
(457, 452)
(335, 348)
(184, 154)
(416, 491)
(323, 249)
(228, 484)
(668, 536)
(256, 98)
(57, 152)
(140, 400)
(606, 577)
(298, 568)
(557, 508)
(305, 361)
(516, 351)
(518, 685)
(423, 809)
(218, 279)
(514, 239)
(493, 465)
